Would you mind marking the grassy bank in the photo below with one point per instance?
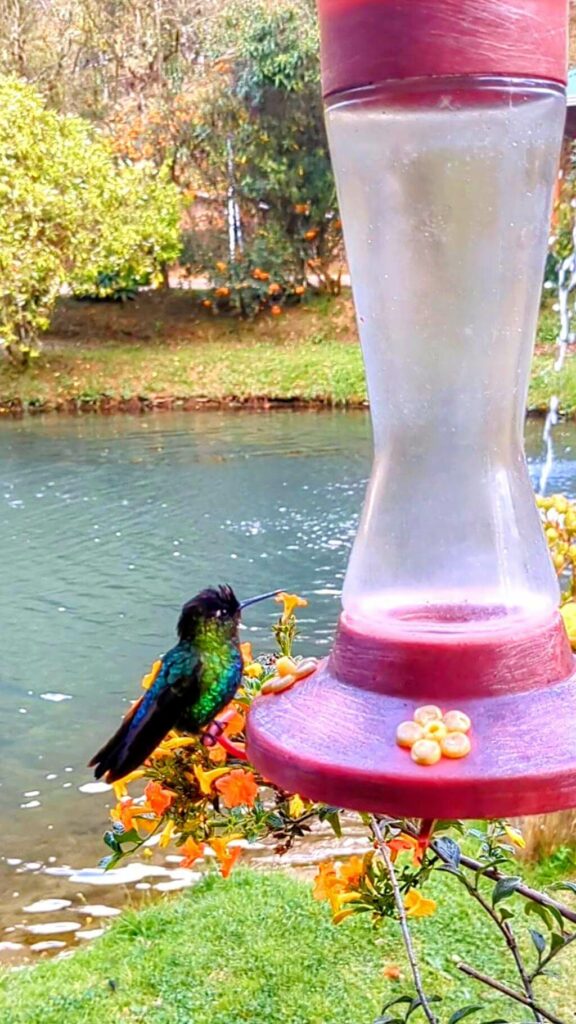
(258, 949)
(161, 351)
(546, 382)
(160, 348)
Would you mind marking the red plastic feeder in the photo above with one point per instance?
(445, 123)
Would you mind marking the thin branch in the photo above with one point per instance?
(523, 890)
(506, 991)
(403, 921)
(534, 895)
(510, 939)
(527, 892)
(521, 968)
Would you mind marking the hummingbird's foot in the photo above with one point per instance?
(215, 733)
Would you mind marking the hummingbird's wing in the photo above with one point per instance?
(176, 687)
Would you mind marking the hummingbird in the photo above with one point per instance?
(196, 679)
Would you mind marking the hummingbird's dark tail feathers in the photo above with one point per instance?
(143, 728)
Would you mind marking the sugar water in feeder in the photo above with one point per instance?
(445, 158)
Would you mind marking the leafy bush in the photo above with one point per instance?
(138, 215)
(45, 160)
(68, 213)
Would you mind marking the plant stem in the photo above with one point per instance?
(506, 930)
(403, 921)
(506, 991)
(523, 890)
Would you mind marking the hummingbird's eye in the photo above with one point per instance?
(218, 613)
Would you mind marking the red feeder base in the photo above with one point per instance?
(332, 737)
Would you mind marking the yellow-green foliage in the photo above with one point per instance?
(558, 516)
(138, 231)
(67, 211)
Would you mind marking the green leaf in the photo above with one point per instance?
(449, 850)
(466, 1011)
(556, 942)
(111, 841)
(332, 816)
(275, 821)
(505, 888)
(327, 810)
(557, 917)
(505, 914)
(396, 1002)
(417, 1003)
(539, 911)
(567, 886)
(539, 941)
(129, 837)
(455, 826)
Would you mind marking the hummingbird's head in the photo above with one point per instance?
(217, 604)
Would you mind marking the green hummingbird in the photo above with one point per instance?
(197, 678)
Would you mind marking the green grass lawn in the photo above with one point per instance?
(257, 948)
(546, 381)
(161, 348)
(257, 368)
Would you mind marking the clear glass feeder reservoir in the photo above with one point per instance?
(445, 194)
(445, 182)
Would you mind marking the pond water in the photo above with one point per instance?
(106, 527)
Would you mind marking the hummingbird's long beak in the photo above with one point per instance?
(261, 597)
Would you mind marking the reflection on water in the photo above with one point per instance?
(106, 527)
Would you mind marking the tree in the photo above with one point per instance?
(89, 56)
(248, 129)
(136, 217)
(68, 211)
(221, 96)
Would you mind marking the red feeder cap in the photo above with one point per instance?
(365, 42)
